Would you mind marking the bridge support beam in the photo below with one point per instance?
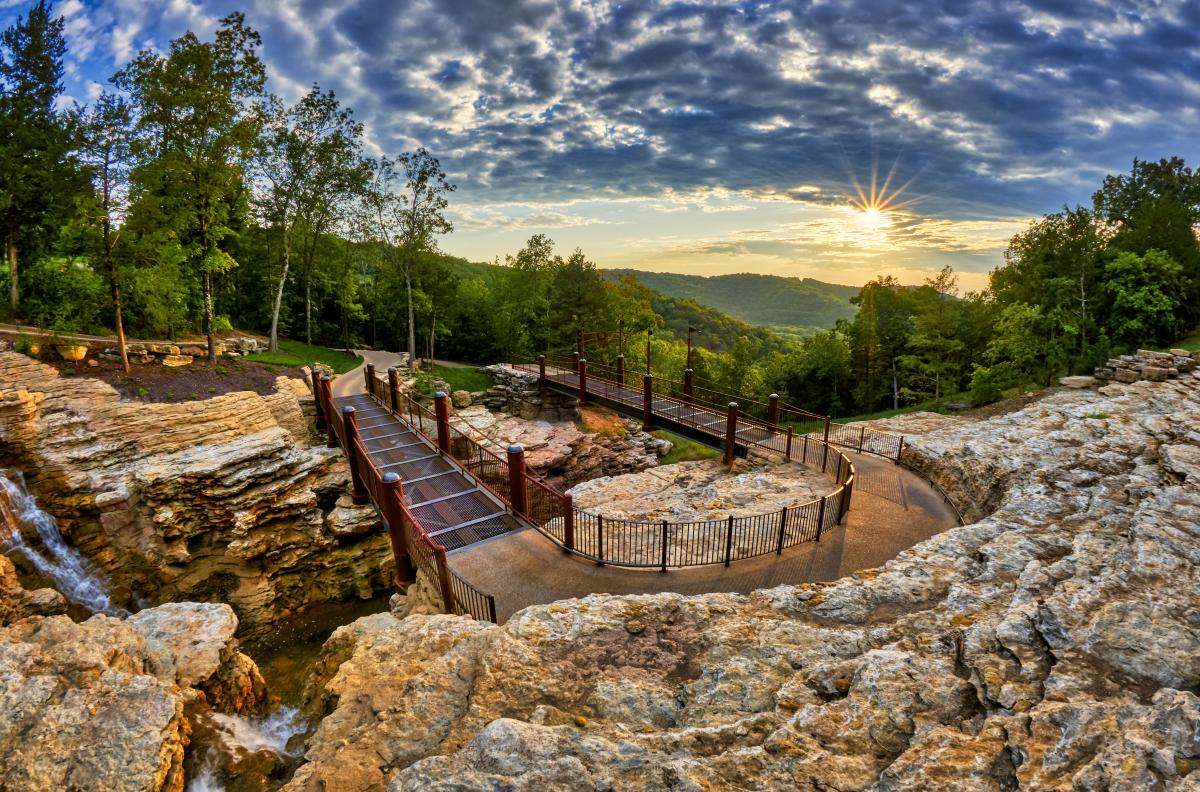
(394, 389)
(318, 399)
(621, 370)
(647, 402)
(393, 498)
(441, 411)
(331, 440)
(350, 420)
(581, 367)
(687, 386)
(517, 494)
(731, 432)
(773, 410)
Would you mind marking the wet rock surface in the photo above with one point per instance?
(231, 499)
(1050, 644)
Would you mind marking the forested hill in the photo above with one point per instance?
(791, 305)
(719, 331)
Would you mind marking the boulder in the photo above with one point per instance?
(188, 638)
(1155, 373)
(163, 349)
(1077, 382)
(176, 360)
(460, 398)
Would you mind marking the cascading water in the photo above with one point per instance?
(73, 575)
(239, 735)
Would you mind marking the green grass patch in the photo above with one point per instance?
(683, 449)
(1191, 343)
(297, 353)
(1097, 415)
(468, 379)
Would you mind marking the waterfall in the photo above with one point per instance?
(74, 576)
(240, 735)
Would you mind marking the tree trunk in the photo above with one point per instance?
(895, 387)
(10, 254)
(308, 309)
(432, 328)
(273, 345)
(209, 317)
(412, 327)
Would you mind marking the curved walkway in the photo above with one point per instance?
(893, 509)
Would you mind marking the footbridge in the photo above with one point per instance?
(493, 537)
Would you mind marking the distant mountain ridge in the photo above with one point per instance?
(798, 306)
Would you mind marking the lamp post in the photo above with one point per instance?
(649, 332)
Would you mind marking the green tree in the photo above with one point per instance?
(39, 178)
(199, 117)
(1145, 295)
(105, 148)
(407, 199)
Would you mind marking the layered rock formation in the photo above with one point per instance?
(1053, 644)
(103, 704)
(229, 499)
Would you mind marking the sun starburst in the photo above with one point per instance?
(874, 206)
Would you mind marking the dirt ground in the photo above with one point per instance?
(154, 382)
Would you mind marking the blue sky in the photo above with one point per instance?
(715, 137)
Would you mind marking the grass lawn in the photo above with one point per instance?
(1191, 343)
(297, 353)
(683, 450)
(467, 379)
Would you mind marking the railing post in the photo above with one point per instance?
(491, 601)
(731, 433)
(729, 540)
(393, 497)
(394, 389)
(821, 516)
(804, 451)
(517, 494)
(568, 503)
(600, 539)
(687, 386)
(837, 477)
(647, 402)
(663, 558)
(788, 454)
(317, 400)
(441, 409)
(439, 555)
(369, 376)
(783, 515)
(331, 440)
(847, 494)
(582, 369)
(620, 370)
(541, 359)
(576, 356)
(773, 410)
(350, 421)
(862, 435)
(825, 453)
(900, 449)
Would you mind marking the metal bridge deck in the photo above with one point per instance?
(450, 505)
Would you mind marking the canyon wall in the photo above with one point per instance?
(231, 499)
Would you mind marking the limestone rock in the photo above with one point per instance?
(189, 638)
(1077, 382)
(349, 520)
(1049, 644)
(460, 399)
(17, 603)
(176, 360)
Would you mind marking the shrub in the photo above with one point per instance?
(221, 324)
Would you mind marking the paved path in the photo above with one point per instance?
(893, 509)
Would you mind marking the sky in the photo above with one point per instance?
(717, 137)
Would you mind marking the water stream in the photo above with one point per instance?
(74, 576)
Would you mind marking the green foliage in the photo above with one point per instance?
(24, 344)
(65, 294)
(683, 449)
(1145, 294)
(222, 324)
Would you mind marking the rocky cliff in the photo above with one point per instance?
(1052, 644)
(229, 499)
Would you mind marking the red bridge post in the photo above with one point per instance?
(541, 372)
(359, 492)
(620, 371)
(687, 386)
(568, 506)
(647, 402)
(582, 369)
(441, 411)
(731, 433)
(394, 388)
(517, 494)
(331, 440)
(825, 452)
(369, 376)
(443, 570)
(317, 394)
(393, 499)
(773, 410)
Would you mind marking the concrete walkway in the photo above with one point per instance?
(893, 509)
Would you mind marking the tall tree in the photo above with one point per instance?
(407, 200)
(199, 115)
(37, 175)
(105, 146)
(310, 168)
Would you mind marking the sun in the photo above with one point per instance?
(873, 218)
(875, 207)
